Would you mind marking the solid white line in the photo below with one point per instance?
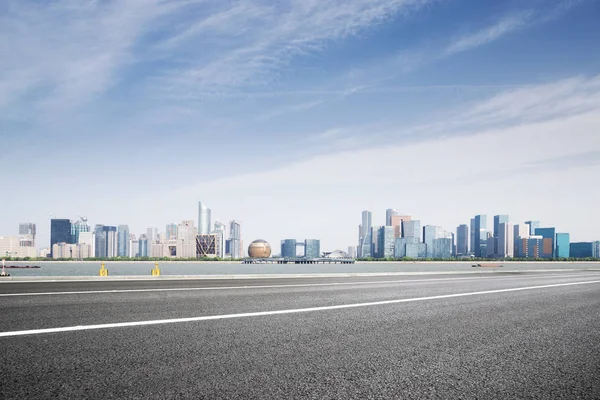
(278, 312)
(279, 286)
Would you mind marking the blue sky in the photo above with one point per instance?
(293, 116)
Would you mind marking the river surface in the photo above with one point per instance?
(75, 268)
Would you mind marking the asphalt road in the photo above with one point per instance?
(489, 336)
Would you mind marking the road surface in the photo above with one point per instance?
(492, 336)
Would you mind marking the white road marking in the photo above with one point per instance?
(280, 286)
(279, 312)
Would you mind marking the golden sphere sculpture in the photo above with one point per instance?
(259, 249)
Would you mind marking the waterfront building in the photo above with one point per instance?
(411, 230)
(220, 229)
(480, 249)
(312, 248)
(375, 242)
(204, 222)
(143, 246)
(171, 231)
(152, 235)
(235, 237)
(490, 247)
(105, 241)
(416, 250)
(365, 247)
(581, 249)
(134, 247)
(549, 241)
(386, 242)
(505, 240)
(596, 249)
(397, 224)
(563, 244)
(499, 219)
(10, 247)
(520, 231)
(462, 240)
(186, 232)
(77, 227)
(60, 232)
(389, 213)
(533, 225)
(87, 238)
(430, 233)
(288, 248)
(472, 236)
(123, 241)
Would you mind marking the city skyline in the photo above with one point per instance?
(300, 112)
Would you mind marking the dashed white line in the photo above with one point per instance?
(279, 312)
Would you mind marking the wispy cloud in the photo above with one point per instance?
(278, 111)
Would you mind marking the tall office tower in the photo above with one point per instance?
(462, 240)
(430, 233)
(186, 232)
(533, 225)
(549, 241)
(203, 219)
(123, 241)
(235, 237)
(499, 219)
(99, 241)
(352, 251)
(375, 242)
(389, 213)
(288, 248)
(505, 240)
(60, 232)
(397, 221)
(312, 248)
(480, 249)
(143, 246)
(27, 234)
(472, 237)
(411, 231)
(152, 236)
(521, 231)
(111, 241)
(386, 242)
(364, 230)
(220, 230)
(79, 226)
(171, 231)
(563, 245)
(596, 249)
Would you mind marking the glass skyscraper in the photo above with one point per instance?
(60, 232)
(563, 245)
(386, 242)
(462, 240)
(480, 236)
(549, 241)
(123, 241)
(204, 222)
(288, 248)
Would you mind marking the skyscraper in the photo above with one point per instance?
(27, 234)
(220, 230)
(462, 240)
(60, 232)
(472, 236)
(143, 246)
(505, 240)
(123, 241)
(152, 236)
(235, 238)
(549, 241)
(312, 248)
(389, 213)
(78, 227)
(397, 221)
(480, 249)
(498, 219)
(364, 231)
(204, 222)
(288, 248)
(386, 241)
(430, 233)
(411, 231)
(563, 245)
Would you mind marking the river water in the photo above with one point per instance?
(76, 268)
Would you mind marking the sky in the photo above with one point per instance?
(294, 116)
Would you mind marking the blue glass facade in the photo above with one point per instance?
(60, 232)
(441, 248)
(462, 240)
(563, 244)
(386, 243)
(123, 241)
(480, 235)
(547, 233)
(288, 248)
(581, 250)
(412, 230)
(312, 248)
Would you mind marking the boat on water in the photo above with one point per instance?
(22, 266)
(489, 265)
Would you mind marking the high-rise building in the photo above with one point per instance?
(389, 213)
(77, 227)
(152, 236)
(533, 225)
(186, 232)
(505, 240)
(397, 221)
(171, 231)
(221, 231)
(386, 242)
(584, 249)
(204, 222)
(521, 231)
(549, 241)
(288, 248)
(563, 245)
(411, 230)
(27, 234)
(235, 237)
(60, 232)
(430, 233)
(364, 230)
(441, 248)
(375, 242)
(499, 219)
(312, 248)
(462, 240)
(472, 236)
(143, 246)
(481, 242)
(207, 246)
(123, 241)
(106, 241)
(352, 251)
